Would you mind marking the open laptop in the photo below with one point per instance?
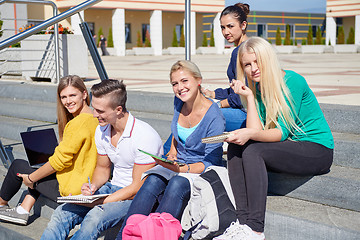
(39, 145)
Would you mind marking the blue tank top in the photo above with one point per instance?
(184, 133)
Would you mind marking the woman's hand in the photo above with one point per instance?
(208, 93)
(240, 88)
(171, 166)
(241, 136)
(26, 180)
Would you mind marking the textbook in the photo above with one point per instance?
(216, 138)
(81, 198)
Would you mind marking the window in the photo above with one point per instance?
(261, 30)
(178, 29)
(314, 28)
(127, 33)
(145, 28)
(92, 27)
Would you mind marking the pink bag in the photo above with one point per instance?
(156, 226)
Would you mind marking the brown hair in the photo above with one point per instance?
(238, 10)
(63, 114)
(114, 87)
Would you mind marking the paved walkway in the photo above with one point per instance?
(334, 78)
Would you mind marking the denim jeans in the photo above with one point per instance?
(175, 196)
(93, 220)
(235, 118)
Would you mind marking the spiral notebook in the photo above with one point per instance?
(81, 198)
(216, 138)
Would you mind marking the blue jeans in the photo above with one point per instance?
(93, 220)
(235, 118)
(175, 196)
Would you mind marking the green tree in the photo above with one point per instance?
(174, 41)
(341, 36)
(182, 38)
(287, 35)
(303, 41)
(204, 41)
(147, 39)
(351, 37)
(310, 36)
(278, 37)
(100, 32)
(1, 23)
(110, 42)
(212, 39)
(318, 36)
(139, 42)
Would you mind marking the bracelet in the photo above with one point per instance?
(188, 168)
(30, 179)
(219, 104)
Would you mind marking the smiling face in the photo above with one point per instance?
(231, 28)
(103, 110)
(73, 100)
(185, 85)
(250, 66)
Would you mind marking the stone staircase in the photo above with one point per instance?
(320, 207)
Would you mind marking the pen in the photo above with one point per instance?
(90, 185)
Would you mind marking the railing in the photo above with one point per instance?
(44, 25)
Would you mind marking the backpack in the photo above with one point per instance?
(156, 226)
(211, 208)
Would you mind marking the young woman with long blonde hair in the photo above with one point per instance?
(285, 132)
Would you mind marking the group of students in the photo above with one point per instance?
(275, 121)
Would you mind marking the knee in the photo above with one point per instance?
(152, 182)
(178, 185)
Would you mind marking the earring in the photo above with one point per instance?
(243, 29)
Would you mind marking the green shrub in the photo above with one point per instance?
(303, 41)
(318, 36)
(1, 23)
(310, 36)
(110, 42)
(147, 39)
(139, 42)
(174, 41)
(351, 37)
(269, 41)
(341, 36)
(212, 39)
(204, 41)
(287, 40)
(182, 39)
(278, 37)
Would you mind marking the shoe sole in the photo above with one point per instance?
(13, 220)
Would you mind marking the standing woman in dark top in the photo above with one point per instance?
(233, 20)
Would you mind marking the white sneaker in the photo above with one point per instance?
(232, 232)
(248, 234)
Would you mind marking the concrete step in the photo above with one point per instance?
(339, 188)
(347, 149)
(28, 109)
(11, 127)
(288, 218)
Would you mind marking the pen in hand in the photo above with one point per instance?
(90, 185)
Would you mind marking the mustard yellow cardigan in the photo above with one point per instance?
(74, 158)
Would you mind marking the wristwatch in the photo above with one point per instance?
(219, 104)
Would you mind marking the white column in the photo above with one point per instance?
(156, 31)
(118, 31)
(218, 37)
(330, 31)
(75, 21)
(357, 29)
(193, 33)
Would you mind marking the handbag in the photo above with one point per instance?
(156, 226)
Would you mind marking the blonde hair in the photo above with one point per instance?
(187, 66)
(63, 114)
(273, 90)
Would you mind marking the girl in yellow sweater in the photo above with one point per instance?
(69, 167)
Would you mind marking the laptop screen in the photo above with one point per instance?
(39, 145)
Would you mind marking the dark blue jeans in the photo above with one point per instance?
(175, 195)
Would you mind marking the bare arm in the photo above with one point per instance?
(172, 152)
(44, 171)
(241, 136)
